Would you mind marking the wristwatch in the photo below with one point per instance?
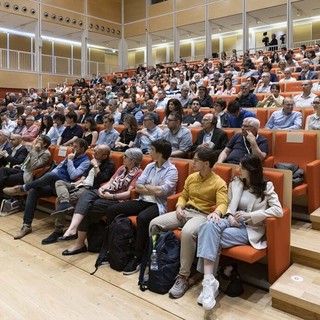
(227, 215)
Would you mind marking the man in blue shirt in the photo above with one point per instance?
(157, 182)
(285, 119)
(236, 114)
(245, 98)
(149, 133)
(108, 136)
(72, 168)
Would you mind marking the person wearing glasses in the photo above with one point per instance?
(149, 133)
(306, 98)
(246, 142)
(179, 136)
(313, 120)
(285, 119)
(68, 193)
(94, 204)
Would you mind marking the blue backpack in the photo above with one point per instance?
(167, 247)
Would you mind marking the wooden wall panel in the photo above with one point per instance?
(315, 30)
(73, 5)
(62, 50)
(106, 24)
(3, 40)
(229, 43)
(28, 4)
(222, 9)
(215, 45)
(134, 10)
(161, 8)
(97, 55)
(171, 55)
(131, 59)
(301, 33)
(253, 5)
(19, 79)
(185, 50)
(46, 47)
(76, 52)
(134, 29)
(161, 55)
(190, 16)
(139, 58)
(61, 12)
(200, 48)
(19, 43)
(105, 9)
(185, 4)
(161, 23)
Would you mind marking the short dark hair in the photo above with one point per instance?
(267, 64)
(196, 99)
(233, 107)
(162, 146)
(59, 116)
(177, 115)
(276, 86)
(153, 115)
(207, 154)
(46, 140)
(109, 116)
(73, 116)
(82, 143)
(222, 102)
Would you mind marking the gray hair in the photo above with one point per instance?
(135, 154)
(185, 87)
(254, 122)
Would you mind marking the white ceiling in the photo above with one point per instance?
(308, 8)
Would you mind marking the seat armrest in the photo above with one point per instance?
(171, 201)
(313, 180)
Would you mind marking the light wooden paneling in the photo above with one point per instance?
(161, 8)
(22, 3)
(185, 49)
(73, 5)
(229, 43)
(200, 48)
(300, 33)
(315, 30)
(215, 45)
(18, 79)
(47, 47)
(315, 219)
(106, 24)
(161, 23)
(190, 16)
(20, 43)
(161, 55)
(97, 55)
(134, 29)
(3, 40)
(62, 50)
(76, 52)
(134, 10)
(185, 4)
(61, 12)
(139, 58)
(224, 8)
(253, 5)
(105, 9)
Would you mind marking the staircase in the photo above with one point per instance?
(297, 291)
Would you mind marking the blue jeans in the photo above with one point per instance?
(47, 179)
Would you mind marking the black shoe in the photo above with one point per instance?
(63, 207)
(70, 253)
(67, 238)
(52, 238)
(132, 267)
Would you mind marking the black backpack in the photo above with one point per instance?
(96, 235)
(167, 247)
(118, 244)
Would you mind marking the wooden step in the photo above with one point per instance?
(315, 219)
(297, 292)
(305, 247)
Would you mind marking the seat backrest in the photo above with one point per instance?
(268, 134)
(295, 86)
(117, 159)
(262, 116)
(277, 178)
(194, 132)
(305, 113)
(145, 161)
(224, 172)
(183, 172)
(230, 132)
(161, 113)
(295, 147)
(60, 153)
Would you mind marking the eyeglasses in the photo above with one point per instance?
(170, 120)
(315, 103)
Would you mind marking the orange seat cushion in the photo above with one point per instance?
(300, 190)
(244, 253)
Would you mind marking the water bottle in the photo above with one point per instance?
(154, 260)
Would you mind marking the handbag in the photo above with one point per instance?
(229, 279)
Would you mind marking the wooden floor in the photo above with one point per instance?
(37, 282)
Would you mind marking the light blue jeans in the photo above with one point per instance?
(214, 236)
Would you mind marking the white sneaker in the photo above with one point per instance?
(210, 290)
